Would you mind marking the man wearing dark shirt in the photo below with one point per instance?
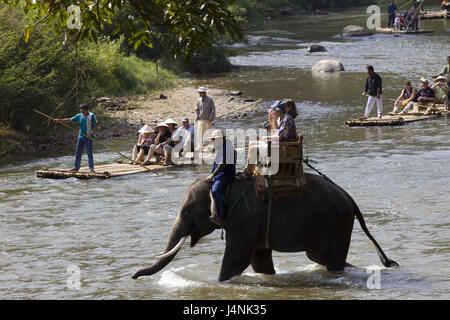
(391, 11)
(425, 95)
(222, 174)
(373, 88)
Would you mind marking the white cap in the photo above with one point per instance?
(441, 78)
(202, 89)
(423, 79)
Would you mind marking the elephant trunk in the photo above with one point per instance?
(176, 239)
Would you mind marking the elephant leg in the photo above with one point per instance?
(262, 261)
(333, 257)
(314, 257)
(336, 255)
(236, 259)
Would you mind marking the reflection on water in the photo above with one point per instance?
(399, 176)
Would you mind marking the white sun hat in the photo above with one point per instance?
(161, 124)
(441, 78)
(170, 121)
(146, 129)
(202, 89)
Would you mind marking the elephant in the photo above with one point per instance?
(319, 221)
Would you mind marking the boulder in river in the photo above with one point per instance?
(328, 66)
(356, 31)
(316, 48)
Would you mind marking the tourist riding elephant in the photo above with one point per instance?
(320, 222)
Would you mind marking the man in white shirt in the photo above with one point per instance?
(185, 136)
(205, 112)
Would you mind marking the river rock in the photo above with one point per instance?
(356, 31)
(328, 66)
(316, 48)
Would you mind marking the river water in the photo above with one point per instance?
(399, 177)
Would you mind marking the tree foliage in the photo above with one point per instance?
(40, 74)
(190, 23)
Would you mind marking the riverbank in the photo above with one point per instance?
(124, 116)
(177, 103)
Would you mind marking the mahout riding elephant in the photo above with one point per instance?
(319, 222)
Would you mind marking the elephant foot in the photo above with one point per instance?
(350, 265)
(335, 267)
(262, 261)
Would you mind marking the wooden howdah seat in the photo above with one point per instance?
(290, 178)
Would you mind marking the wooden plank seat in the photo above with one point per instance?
(290, 178)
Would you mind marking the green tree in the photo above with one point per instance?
(191, 23)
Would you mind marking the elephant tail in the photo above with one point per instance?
(384, 259)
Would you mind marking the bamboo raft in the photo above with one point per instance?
(102, 172)
(398, 120)
(394, 31)
(389, 120)
(107, 171)
(435, 15)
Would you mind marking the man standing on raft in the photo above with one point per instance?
(374, 89)
(88, 125)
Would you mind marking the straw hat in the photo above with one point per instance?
(146, 129)
(170, 121)
(161, 124)
(202, 89)
(216, 134)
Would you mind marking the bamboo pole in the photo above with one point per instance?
(90, 138)
(235, 110)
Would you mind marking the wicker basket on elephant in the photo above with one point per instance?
(290, 178)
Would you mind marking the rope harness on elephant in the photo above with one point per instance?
(269, 211)
(307, 161)
(242, 196)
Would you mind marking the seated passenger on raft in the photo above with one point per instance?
(168, 147)
(406, 99)
(442, 91)
(425, 96)
(145, 140)
(184, 135)
(162, 139)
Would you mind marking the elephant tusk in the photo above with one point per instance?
(174, 250)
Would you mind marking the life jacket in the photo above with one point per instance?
(406, 94)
